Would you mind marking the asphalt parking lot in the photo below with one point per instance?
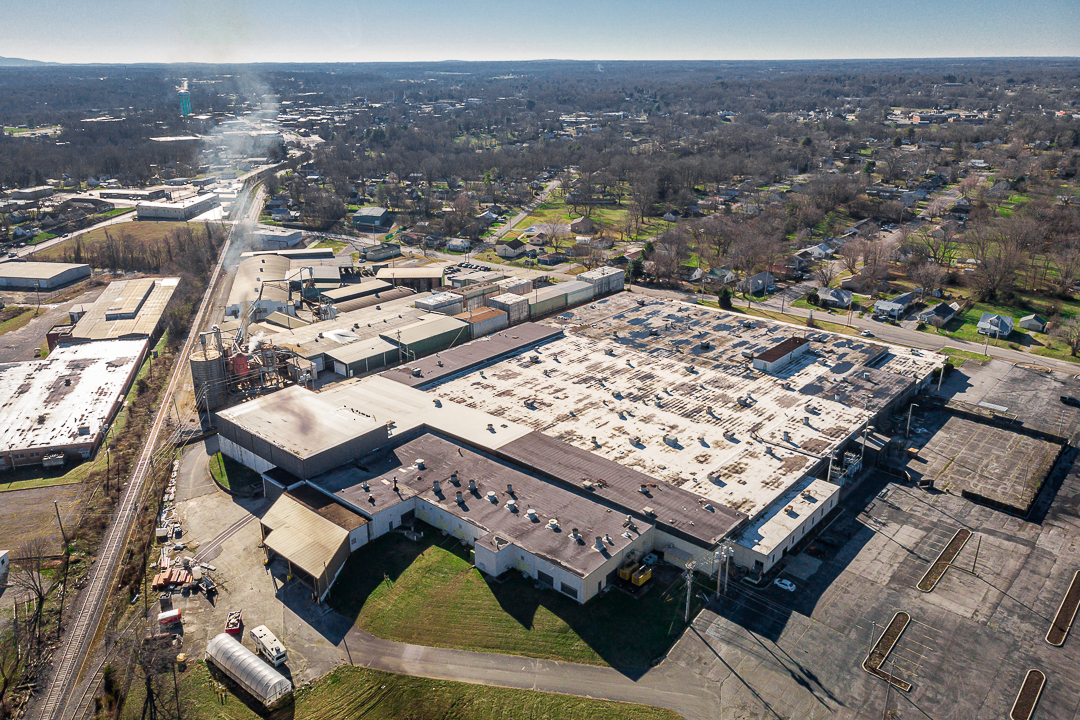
(971, 640)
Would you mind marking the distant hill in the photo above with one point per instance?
(20, 62)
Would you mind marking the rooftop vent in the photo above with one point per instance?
(459, 498)
(416, 372)
(599, 544)
(644, 489)
(510, 488)
(492, 496)
(490, 427)
(648, 511)
(472, 485)
(553, 523)
(608, 540)
(574, 534)
(789, 509)
(365, 486)
(436, 486)
(531, 513)
(453, 477)
(511, 505)
(420, 463)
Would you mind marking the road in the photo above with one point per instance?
(59, 702)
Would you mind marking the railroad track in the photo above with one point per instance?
(59, 698)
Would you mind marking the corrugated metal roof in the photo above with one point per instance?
(781, 349)
(246, 668)
(362, 350)
(303, 536)
(394, 293)
(127, 308)
(355, 290)
(431, 327)
(406, 273)
(254, 271)
(479, 315)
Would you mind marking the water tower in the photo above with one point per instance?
(185, 99)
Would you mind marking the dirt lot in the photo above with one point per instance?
(21, 344)
(25, 514)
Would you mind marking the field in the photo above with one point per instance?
(613, 218)
(140, 231)
(13, 318)
(427, 594)
(350, 693)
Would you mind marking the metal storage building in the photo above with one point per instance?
(547, 301)
(362, 356)
(355, 290)
(429, 336)
(515, 285)
(249, 672)
(476, 296)
(577, 291)
(421, 279)
(443, 302)
(484, 321)
(40, 275)
(516, 307)
(605, 280)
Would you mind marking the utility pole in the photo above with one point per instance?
(907, 432)
(60, 522)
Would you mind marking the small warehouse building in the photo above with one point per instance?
(420, 279)
(355, 290)
(380, 251)
(372, 220)
(442, 302)
(362, 356)
(516, 307)
(429, 336)
(605, 280)
(779, 355)
(248, 670)
(41, 275)
(484, 321)
(180, 210)
(277, 238)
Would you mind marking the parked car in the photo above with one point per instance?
(867, 333)
(784, 584)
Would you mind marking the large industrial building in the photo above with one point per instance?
(58, 408)
(41, 275)
(179, 210)
(627, 425)
(261, 286)
(127, 309)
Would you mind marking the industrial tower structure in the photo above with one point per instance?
(185, 99)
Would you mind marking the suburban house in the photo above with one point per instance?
(939, 314)
(512, 249)
(1033, 322)
(722, 275)
(582, 226)
(997, 325)
(897, 307)
(759, 283)
(835, 297)
(821, 251)
(551, 259)
(690, 273)
(458, 245)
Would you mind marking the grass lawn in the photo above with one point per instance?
(351, 693)
(140, 231)
(428, 593)
(234, 476)
(41, 237)
(961, 356)
(336, 245)
(13, 318)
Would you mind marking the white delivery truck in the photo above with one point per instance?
(267, 645)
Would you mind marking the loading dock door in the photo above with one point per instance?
(340, 369)
(545, 578)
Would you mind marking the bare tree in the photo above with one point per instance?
(1069, 332)
(929, 276)
(825, 272)
(556, 234)
(1066, 259)
(999, 257)
(851, 254)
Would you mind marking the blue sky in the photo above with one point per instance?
(429, 30)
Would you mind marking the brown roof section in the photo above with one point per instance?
(479, 315)
(326, 507)
(676, 511)
(781, 349)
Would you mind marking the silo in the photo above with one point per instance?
(208, 377)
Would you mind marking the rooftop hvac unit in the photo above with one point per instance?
(531, 513)
(553, 523)
(511, 505)
(492, 496)
(419, 463)
(789, 508)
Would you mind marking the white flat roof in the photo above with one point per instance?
(45, 402)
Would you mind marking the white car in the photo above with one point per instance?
(784, 584)
(867, 333)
